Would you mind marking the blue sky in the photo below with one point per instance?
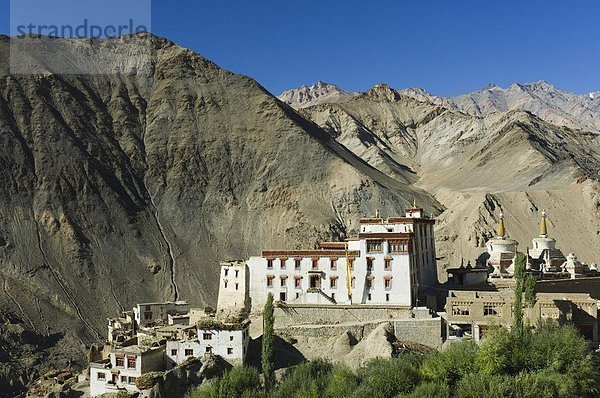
(445, 47)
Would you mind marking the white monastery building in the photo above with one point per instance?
(390, 262)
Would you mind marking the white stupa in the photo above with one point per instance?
(543, 249)
(502, 251)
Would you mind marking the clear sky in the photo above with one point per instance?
(446, 47)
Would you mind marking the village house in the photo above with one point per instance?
(389, 262)
(124, 365)
(471, 313)
(227, 339)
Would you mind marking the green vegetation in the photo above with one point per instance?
(548, 362)
(268, 344)
(519, 275)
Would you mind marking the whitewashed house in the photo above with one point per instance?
(120, 371)
(228, 340)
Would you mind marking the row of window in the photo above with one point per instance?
(395, 246)
(189, 352)
(488, 310)
(283, 296)
(333, 266)
(237, 272)
(333, 282)
(120, 361)
(124, 379)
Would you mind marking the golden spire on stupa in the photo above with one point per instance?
(543, 227)
(414, 203)
(501, 230)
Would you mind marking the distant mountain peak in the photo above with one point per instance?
(317, 93)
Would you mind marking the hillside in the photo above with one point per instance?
(118, 189)
(477, 166)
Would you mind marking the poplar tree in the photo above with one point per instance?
(268, 348)
(519, 276)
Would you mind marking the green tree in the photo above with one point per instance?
(530, 293)
(519, 276)
(268, 344)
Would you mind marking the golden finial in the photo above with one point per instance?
(414, 203)
(543, 228)
(376, 213)
(501, 230)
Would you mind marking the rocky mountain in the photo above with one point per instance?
(541, 98)
(318, 93)
(125, 188)
(120, 188)
(477, 166)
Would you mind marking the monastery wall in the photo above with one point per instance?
(338, 314)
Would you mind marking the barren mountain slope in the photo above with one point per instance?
(118, 189)
(477, 166)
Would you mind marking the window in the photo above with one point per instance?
(353, 281)
(173, 352)
(123, 379)
(315, 281)
(237, 285)
(333, 264)
(369, 283)
(269, 263)
(460, 309)
(373, 246)
(270, 280)
(131, 362)
(333, 282)
(132, 380)
(225, 283)
(188, 352)
(297, 283)
(369, 264)
(208, 350)
(147, 315)
(398, 246)
(282, 296)
(120, 361)
(282, 281)
(148, 308)
(387, 297)
(297, 263)
(207, 336)
(315, 263)
(230, 338)
(388, 264)
(490, 310)
(101, 376)
(333, 296)
(282, 263)
(369, 297)
(229, 351)
(387, 283)
(237, 273)
(226, 271)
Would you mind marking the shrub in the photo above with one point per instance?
(342, 383)
(304, 379)
(430, 390)
(452, 364)
(383, 378)
(481, 385)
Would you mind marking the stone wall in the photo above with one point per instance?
(334, 315)
(427, 332)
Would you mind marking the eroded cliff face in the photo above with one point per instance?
(118, 189)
